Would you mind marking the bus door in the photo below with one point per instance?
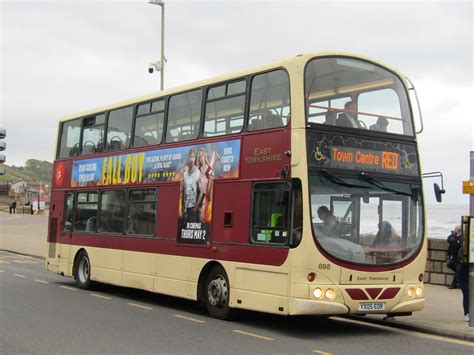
(67, 228)
(346, 210)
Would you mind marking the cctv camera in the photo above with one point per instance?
(151, 68)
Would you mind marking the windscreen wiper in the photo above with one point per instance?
(339, 181)
(377, 183)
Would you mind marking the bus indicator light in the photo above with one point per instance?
(311, 276)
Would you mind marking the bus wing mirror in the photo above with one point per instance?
(438, 192)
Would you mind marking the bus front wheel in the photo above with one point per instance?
(217, 293)
(82, 271)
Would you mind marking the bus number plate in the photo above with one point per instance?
(371, 306)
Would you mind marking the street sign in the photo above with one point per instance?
(468, 187)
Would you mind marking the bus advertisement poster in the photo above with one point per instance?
(203, 164)
(154, 166)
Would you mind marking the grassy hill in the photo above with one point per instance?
(34, 171)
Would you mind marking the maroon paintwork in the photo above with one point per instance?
(357, 294)
(264, 156)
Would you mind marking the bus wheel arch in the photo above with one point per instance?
(214, 289)
(201, 291)
(82, 269)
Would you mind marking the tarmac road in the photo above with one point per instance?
(43, 313)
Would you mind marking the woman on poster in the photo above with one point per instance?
(206, 184)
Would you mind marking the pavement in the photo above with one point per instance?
(442, 314)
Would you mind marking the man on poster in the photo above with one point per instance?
(189, 188)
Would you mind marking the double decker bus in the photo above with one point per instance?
(293, 188)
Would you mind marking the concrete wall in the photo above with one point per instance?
(436, 271)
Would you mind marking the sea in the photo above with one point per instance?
(441, 219)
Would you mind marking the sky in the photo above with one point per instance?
(62, 57)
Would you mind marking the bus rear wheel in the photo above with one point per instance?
(82, 271)
(217, 293)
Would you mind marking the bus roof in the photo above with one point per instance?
(284, 62)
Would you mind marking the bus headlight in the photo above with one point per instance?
(419, 292)
(330, 294)
(411, 292)
(318, 293)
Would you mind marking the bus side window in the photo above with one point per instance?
(225, 105)
(269, 101)
(68, 212)
(270, 213)
(184, 115)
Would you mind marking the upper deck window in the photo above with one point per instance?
(269, 101)
(149, 123)
(184, 116)
(351, 93)
(93, 134)
(119, 128)
(70, 139)
(225, 109)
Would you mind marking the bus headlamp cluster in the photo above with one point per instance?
(415, 292)
(329, 294)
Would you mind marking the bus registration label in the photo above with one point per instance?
(372, 306)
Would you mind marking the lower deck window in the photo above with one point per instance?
(141, 212)
(270, 213)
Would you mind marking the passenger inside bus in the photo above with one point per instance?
(381, 125)
(330, 118)
(349, 118)
(386, 237)
(329, 225)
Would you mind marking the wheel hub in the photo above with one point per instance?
(217, 291)
(83, 270)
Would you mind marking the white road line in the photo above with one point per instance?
(42, 282)
(252, 335)
(69, 288)
(18, 275)
(139, 306)
(100, 296)
(188, 318)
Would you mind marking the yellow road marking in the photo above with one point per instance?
(409, 332)
(100, 296)
(4, 262)
(69, 288)
(18, 275)
(139, 306)
(188, 318)
(2, 270)
(42, 282)
(321, 352)
(252, 335)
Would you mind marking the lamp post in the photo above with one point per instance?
(39, 196)
(160, 65)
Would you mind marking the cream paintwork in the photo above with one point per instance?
(275, 289)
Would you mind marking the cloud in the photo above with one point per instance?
(63, 57)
